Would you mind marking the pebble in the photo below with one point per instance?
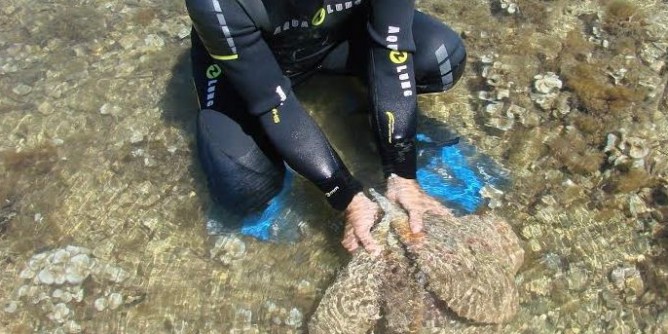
(619, 327)
(59, 313)
(27, 273)
(294, 318)
(116, 274)
(45, 108)
(229, 249)
(628, 278)
(22, 89)
(23, 291)
(101, 304)
(64, 296)
(11, 307)
(74, 277)
(509, 6)
(8, 9)
(128, 41)
(136, 137)
(81, 262)
(662, 322)
(577, 279)
(540, 286)
(547, 83)
(534, 245)
(245, 316)
(552, 261)
(72, 327)
(532, 231)
(45, 276)
(77, 293)
(183, 32)
(106, 109)
(154, 42)
(60, 256)
(500, 123)
(610, 300)
(270, 307)
(115, 300)
(57, 293)
(305, 287)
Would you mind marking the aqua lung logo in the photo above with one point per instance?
(212, 73)
(342, 6)
(318, 18)
(399, 58)
(290, 24)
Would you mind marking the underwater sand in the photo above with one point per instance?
(97, 151)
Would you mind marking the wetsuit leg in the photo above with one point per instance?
(243, 170)
(438, 62)
(440, 56)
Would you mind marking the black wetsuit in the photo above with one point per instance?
(251, 122)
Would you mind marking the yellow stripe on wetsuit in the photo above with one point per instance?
(390, 126)
(230, 57)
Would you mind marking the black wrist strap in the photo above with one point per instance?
(340, 189)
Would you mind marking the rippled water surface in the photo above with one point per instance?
(97, 153)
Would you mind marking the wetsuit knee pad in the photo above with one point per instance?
(456, 56)
(441, 57)
(240, 176)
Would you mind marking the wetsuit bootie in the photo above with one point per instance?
(275, 221)
(267, 224)
(453, 172)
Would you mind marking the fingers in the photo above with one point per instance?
(352, 239)
(370, 245)
(349, 241)
(415, 220)
(418, 209)
(437, 208)
(360, 217)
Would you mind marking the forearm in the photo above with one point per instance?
(305, 149)
(392, 86)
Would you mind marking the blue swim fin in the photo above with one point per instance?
(453, 172)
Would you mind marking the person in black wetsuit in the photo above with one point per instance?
(251, 123)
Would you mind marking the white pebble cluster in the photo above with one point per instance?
(228, 249)
(54, 284)
(500, 113)
(547, 93)
(623, 149)
(509, 6)
(280, 316)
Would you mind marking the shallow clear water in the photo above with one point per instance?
(97, 150)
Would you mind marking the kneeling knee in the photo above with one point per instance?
(450, 54)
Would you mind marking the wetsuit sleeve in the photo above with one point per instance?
(392, 84)
(237, 46)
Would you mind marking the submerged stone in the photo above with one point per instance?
(472, 275)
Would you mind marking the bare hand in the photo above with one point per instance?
(360, 216)
(408, 194)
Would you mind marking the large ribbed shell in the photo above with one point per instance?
(438, 319)
(458, 279)
(352, 304)
(402, 302)
(470, 266)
